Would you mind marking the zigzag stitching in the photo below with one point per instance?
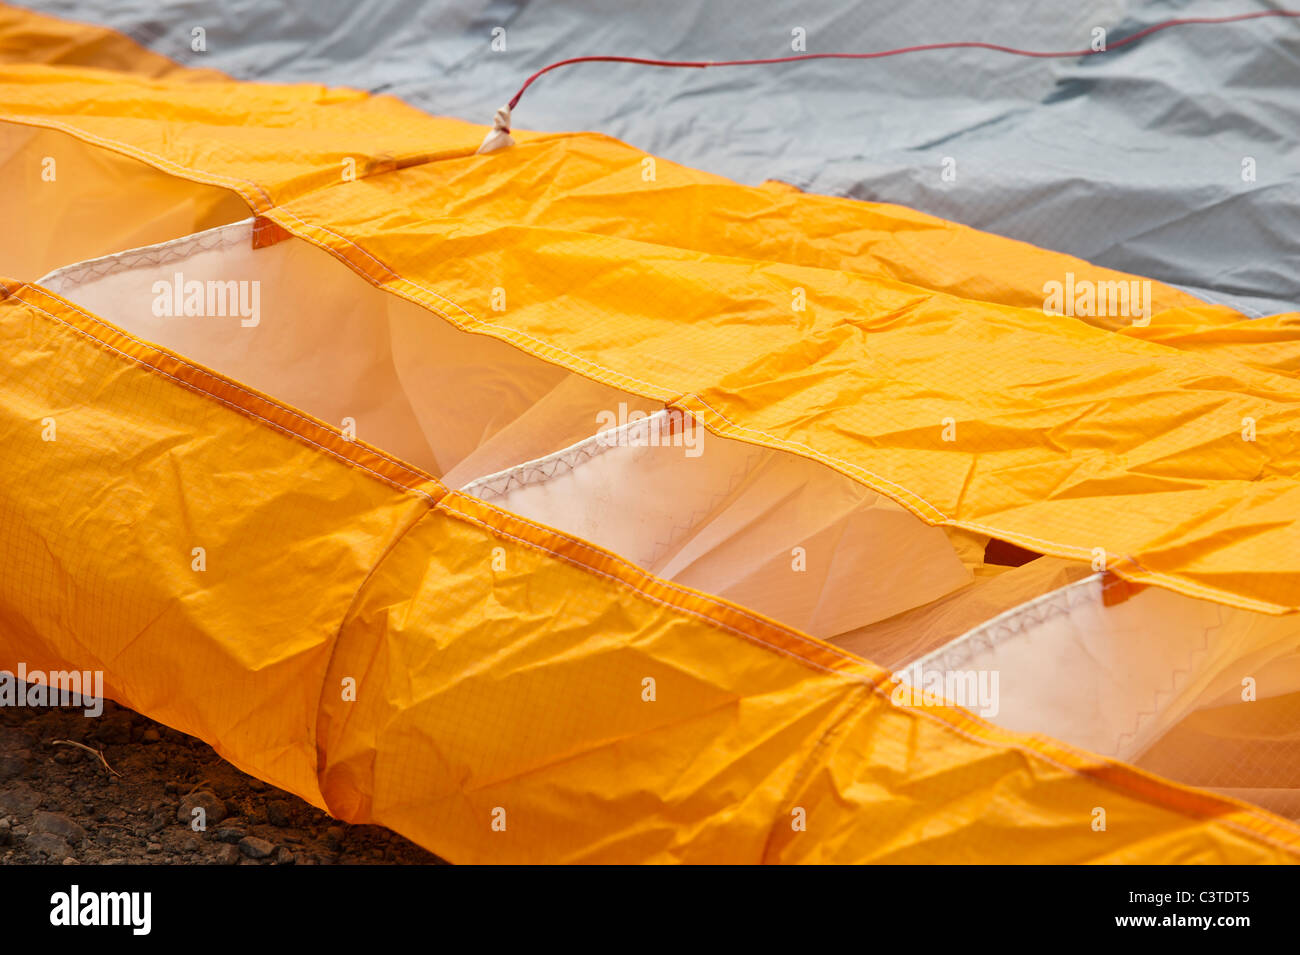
(163, 253)
(532, 473)
(988, 637)
(662, 545)
(535, 471)
(1154, 709)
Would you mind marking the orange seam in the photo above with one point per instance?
(835, 725)
(728, 428)
(148, 350)
(1177, 584)
(767, 633)
(632, 571)
(389, 280)
(151, 358)
(1121, 776)
(392, 282)
(981, 731)
(1106, 772)
(257, 202)
(1128, 780)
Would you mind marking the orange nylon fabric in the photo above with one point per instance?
(1068, 436)
(30, 37)
(1071, 438)
(497, 666)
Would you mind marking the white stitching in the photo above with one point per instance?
(208, 394)
(659, 600)
(383, 455)
(610, 377)
(618, 380)
(879, 690)
(532, 473)
(540, 470)
(609, 555)
(160, 253)
(818, 454)
(615, 378)
(130, 150)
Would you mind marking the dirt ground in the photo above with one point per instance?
(59, 804)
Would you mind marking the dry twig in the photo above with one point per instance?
(98, 754)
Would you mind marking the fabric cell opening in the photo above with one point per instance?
(1154, 681)
(67, 201)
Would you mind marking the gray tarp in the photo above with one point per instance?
(1132, 160)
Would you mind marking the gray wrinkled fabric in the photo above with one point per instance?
(1132, 160)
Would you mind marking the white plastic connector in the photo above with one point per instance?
(499, 136)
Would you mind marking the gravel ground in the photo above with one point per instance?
(60, 805)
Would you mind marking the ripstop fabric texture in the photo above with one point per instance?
(348, 613)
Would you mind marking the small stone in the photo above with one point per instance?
(284, 856)
(227, 855)
(334, 837)
(14, 763)
(19, 799)
(277, 812)
(256, 848)
(60, 825)
(305, 858)
(49, 844)
(153, 848)
(256, 815)
(179, 840)
(151, 735)
(115, 861)
(214, 810)
(71, 860)
(228, 834)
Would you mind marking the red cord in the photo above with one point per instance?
(964, 44)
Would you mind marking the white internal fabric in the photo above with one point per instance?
(773, 532)
(77, 201)
(1157, 677)
(1114, 679)
(904, 637)
(770, 531)
(289, 320)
